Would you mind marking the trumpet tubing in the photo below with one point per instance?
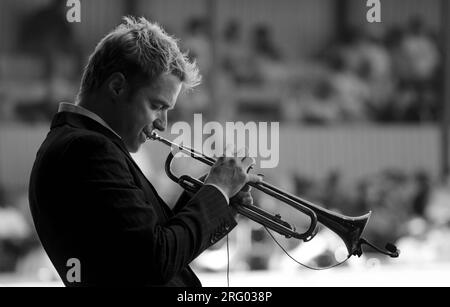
(349, 229)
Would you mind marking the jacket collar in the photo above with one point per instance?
(77, 120)
(74, 108)
(81, 121)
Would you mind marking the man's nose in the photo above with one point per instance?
(159, 124)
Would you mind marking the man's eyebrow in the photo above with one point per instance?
(161, 102)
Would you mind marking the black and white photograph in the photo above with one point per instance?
(247, 144)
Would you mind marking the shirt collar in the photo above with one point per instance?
(73, 108)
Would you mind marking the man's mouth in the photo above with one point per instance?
(142, 136)
(145, 133)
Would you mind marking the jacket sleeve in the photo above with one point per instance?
(117, 211)
(185, 197)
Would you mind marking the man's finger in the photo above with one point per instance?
(242, 152)
(247, 162)
(247, 201)
(254, 178)
(242, 199)
(246, 188)
(229, 150)
(241, 194)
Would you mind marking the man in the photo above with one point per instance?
(88, 198)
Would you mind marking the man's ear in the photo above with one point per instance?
(116, 84)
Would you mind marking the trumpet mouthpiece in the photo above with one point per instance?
(150, 134)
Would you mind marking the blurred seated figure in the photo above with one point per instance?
(352, 91)
(265, 56)
(375, 68)
(423, 186)
(425, 237)
(321, 105)
(263, 45)
(415, 64)
(390, 194)
(46, 34)
(32, 264)
(438, 210)
(420, 52)
(333, 196)
(16, 235)
(197, 44)
(234, 54)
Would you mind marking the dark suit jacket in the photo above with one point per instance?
(90, 201)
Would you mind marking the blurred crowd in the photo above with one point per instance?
(18, 238)
(390, 76)
(365, 75)
(408, 209)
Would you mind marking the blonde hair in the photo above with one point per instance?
(138, 48)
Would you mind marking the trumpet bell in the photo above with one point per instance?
(349, 229)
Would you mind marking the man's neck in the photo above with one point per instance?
(98, 106)
(90, 104)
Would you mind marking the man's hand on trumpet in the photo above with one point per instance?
(243, 197)
(231, 175)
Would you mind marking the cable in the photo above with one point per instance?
(304, 265)
(228, 264)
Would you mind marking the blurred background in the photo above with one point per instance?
(363, 111)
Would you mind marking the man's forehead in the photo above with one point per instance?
(165, 81)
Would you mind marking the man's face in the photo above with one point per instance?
(147, 107)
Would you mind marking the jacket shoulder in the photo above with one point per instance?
(69, 139)
(64, 143)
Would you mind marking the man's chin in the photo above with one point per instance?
(133, 148)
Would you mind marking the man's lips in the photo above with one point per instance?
(147, 131)
(142, 137)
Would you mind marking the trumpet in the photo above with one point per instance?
(348, 228)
